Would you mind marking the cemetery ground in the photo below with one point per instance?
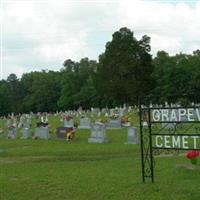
(56, 169)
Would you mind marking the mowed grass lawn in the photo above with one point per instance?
(57, 170)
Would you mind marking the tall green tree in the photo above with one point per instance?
(125, 69)
(77, 83)
(42, 91)
(5, 98)
(176, 75)
(15, 93)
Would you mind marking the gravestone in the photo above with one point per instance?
(11, 124)
(121, 112)
(112, 112)
(106, 114)
(69, 123)
(104, 111)
(25, 133)
(132, 136)
(129, 109)
(84, 123)
(96, 110)
(42, 133)
(98, 133)
(25, 123)
(62, 132)
(114, 124)
(12, 132)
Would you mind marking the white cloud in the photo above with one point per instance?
(172, 27)
(40, 34)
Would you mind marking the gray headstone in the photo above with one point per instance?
(132, 136)
(84, 123)
(98, 133)
(121, 112)
(95, 111)
(25, 133)
(27, 123)
(42, 133)
(12, 133)
(104, 111)
(114, 124)
(69, 123)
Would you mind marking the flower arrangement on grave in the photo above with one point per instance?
(124, 120)
(114, 116)
(193, 156)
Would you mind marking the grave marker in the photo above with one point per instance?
(98, 133)
(132, 136)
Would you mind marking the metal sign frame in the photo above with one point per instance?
(147, 132)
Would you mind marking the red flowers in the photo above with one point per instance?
(192, 154)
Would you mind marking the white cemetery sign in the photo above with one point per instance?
(183, 132)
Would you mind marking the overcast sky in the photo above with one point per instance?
(41, 34)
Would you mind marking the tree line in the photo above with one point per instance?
(124, 72)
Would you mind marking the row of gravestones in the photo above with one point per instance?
(98, 134)
(85, 123)
(40, 132)
(43, 132)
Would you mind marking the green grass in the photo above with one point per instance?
(57, 170)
